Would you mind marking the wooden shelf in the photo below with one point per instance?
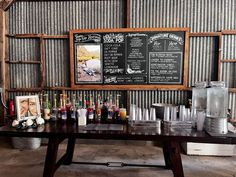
(233, 90)
(229, 32)
(44, 36)
(205, 34)
(24, 90)
(228, 61)
(23, 62)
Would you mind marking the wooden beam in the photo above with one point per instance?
(24, 90)
(5, 4)
(2, 58)
(23, 62)
(204, 34)
(42, 60)
(228, 61)
(126, 13)
(44, 36)
(219, 55)
(229, 32)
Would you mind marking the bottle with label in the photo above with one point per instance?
(73, 109)
(104, 112)
(117, 108)
(90, 111)
(110, 111)
(59, 113)
(63, 109)
(41, 104)
(98, 110)
(68, 107)
(54, 111)
(46, 108)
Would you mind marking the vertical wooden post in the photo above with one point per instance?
(126, 14)
(219, 55)
(42, 59)
(2, 58)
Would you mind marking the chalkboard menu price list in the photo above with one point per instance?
(165, 67)
(130, 56)
(166, 56)
(136, 62)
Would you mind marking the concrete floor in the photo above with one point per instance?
(29, 163)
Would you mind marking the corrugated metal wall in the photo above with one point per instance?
(199, 16)
(57, 17)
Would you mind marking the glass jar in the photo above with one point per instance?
(199, 96)
(199, 101)
(217, 100)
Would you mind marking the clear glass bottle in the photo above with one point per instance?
(110, 110)
(54, 111)
(46, 108)
(60, 108)
(63, 109)
(73, 109)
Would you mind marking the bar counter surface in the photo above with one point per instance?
(57, 132)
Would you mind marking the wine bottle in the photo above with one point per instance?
(90, 110)
(98, 109)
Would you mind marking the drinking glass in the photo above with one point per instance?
(152, 114)
(122, 113)
(145, 114)
(181, 112)
(139, 114)
(173, 112)
(201, 115)
(167, 113)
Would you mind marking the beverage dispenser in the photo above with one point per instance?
(217, 105)
(199, 100)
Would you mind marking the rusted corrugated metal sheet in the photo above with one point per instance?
(199, 16)
(57, 17)
(145, 99)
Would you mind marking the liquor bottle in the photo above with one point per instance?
(63, 109)
(68, 107)
(59, 114)
(85, 102)
(104, 112)
(90, 110)
(117, 108)
(54, 111)
(110, 110)
(46, 108)
(80, 101)
(98, 110)
(41, 104)
(73, 109)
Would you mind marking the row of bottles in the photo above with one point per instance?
(67, 110)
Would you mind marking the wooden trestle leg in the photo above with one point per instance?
(69, 151)
(171, 151)
(51, 157)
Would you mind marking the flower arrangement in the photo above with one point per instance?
(28, 123)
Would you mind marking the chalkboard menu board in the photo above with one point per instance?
(129, 56)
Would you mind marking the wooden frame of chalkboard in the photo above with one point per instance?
(129, 58)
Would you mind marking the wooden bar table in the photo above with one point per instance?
(57, 132)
